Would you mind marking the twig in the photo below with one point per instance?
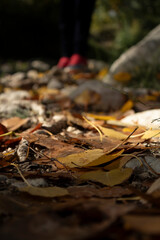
(20, 173)
(93, 125)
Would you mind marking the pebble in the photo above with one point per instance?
(54, 83)
(33, 74)
(3, 178)
(40, 65)
(18, 76)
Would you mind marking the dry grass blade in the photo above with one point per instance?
(20, 173)
(100, 134)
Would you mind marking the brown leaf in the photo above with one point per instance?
(3, 130)
(14, 123)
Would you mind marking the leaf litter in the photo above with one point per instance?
(84, 140)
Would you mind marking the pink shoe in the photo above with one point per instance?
(63, 62)
(76, 64)
(77, 60)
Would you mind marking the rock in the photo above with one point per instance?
(109, 98)
(143, 168)
(96, 65)
(14, 103)
(3, 178)
(37, 182)
(6, 68)
(145, 53)
(148, 119)
(14, 95)
(153, 162)
(33, 74)
(40, 66)
(19, 76)
(54, 83)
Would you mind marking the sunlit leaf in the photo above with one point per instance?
(105, 158)
(123, 77)
(14, 123)
(100, 117)
(82, 159)
(127, 106)
(102, 73)
(112, 133)
(151, 133)
(111, 178)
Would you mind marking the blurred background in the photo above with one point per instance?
(29, 28)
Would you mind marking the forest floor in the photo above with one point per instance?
(73, 165)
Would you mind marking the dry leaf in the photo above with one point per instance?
(82, 159)
(3, 130)
(151, 133)
(105, 159)
(45, 192)
(123, 77)
(14, 123)
(112, 133)
(100, 117)
(111, 178)
(127, 106)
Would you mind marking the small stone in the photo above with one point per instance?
(39, 65)
(3, 178)
(18, 76)
(6, 68)
(54, 83)
(33, 74)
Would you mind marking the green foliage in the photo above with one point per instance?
(127, 22)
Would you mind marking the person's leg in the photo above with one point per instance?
(66, 31)
(83, 13)
(83, 10)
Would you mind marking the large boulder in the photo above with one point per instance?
(145, 53)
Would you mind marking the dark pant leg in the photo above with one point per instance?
(83, 10)
(66, 27)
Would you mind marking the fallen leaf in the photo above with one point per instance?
(100, 117)
(3, 130)
(14, 123)
(111, 178)
(112, 133)
(48, 192)
(105, 159)
(127, 106)
(123, 77)
(145, 224)
(151, 133)
(82, 158)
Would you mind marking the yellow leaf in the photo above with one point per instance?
(111, 178)
(45, 192)
(81, 159)
(112, 133)
(100, 117)
(151, 133)
(123, 77)
(102, 73)
(105, 159)
(127, 106)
